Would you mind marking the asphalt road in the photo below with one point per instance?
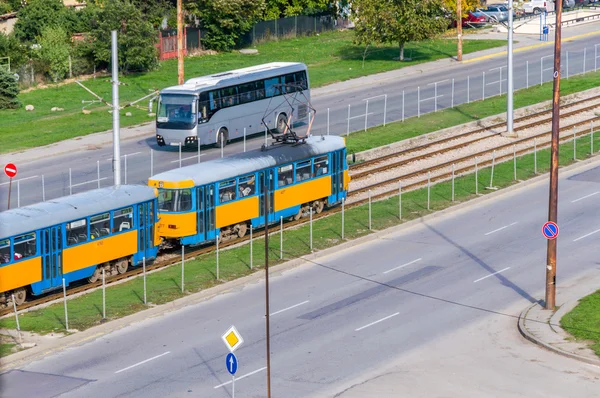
(346, 107)
(390, 300)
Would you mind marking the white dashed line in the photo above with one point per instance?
(376, 322)
(501, 228)
(402, 266)
(140, 363)
(502, 270)
(241, 377)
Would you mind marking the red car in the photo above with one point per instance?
(471, 21)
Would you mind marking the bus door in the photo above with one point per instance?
(209, 212)
(146, 229)
(201, 222)
(52, 247)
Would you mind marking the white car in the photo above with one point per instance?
(538, 6)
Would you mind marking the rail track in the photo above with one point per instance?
(352, 202)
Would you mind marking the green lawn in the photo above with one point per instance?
(413, 127)
(583, 321)
(331, 57)
(164, 286)
(6, 349)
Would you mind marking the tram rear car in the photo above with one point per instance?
(225, 197)
(74, 238)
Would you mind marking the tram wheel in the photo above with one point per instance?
(241, 230)
(95, 276)
(20, 295)
(122, 266)
(318, 206)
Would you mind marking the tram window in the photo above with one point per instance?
(4, 251)
(123, 219)
(166, 200)
(184, 200)
(303, 171)
(227, 191)
(100, 225)
(247, 185)
(24, 246)
(77, 232)
(285, 175)
(321, 166)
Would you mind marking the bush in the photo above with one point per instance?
(9, 89)
(54, 52)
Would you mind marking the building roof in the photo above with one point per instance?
(251, 161)
(69, 208)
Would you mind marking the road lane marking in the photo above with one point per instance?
(241, 377)
(586, 235)
(501, 228)
(585, 197)
(188, 158)
(502, 270)
(89, 182)
(376, 322)
(140, 363)
(289, 308)
(129, 154)
(403, 265)
(21, 179)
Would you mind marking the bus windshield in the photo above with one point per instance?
(176, 111)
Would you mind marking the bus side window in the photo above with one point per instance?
(272, 88)
(301, 80)
(260, 89)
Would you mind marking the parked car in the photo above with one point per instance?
(538, 6)
(472, 20)
(494, 13)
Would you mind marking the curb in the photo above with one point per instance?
(529, 336)
(94, 332)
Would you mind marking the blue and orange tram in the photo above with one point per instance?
(74, 238)
(225, 197)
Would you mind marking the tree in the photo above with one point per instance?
(466, 6)
(9, 89)
(54, 52)
(136, 36)
(225, 21)
(397, 21)
(288, 8)
(36, 15)
(11, 47)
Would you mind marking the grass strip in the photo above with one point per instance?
(331, 57)
(164, 286)
(583, 321)
(465, 113)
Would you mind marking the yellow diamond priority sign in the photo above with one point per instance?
(232, 339)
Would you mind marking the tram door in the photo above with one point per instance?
(52, 247)
(271, 187)
(200, 221)
(146, 229)
(209, 212)
(337, 179)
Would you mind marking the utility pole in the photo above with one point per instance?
(553, 200)
(509, 79)
(459, 28)
(266, 195)
(115, 111)
(179, 42)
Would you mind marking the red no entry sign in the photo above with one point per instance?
(11, 170)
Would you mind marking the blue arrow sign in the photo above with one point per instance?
(231, 363)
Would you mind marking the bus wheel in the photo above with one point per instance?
(95, 276)
(222, 135)
(20, 295)
(281, 123)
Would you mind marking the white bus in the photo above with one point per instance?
(221, 106)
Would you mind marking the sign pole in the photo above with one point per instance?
(232, 386)
(553, 194)
(266, 210)
(9, 189)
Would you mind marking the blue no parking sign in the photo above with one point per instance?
(231, 363)
(550, 230)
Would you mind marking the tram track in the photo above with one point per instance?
(352, 202)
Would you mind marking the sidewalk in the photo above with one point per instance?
(542, 326)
